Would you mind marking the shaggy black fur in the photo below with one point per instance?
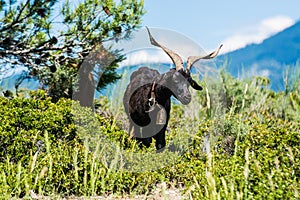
(143, 124)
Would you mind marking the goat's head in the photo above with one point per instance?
(178, 80)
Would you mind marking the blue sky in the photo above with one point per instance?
(232, 22)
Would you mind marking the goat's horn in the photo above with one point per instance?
(174, 57)
(192, 59)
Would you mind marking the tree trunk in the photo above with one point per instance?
(94, 64)
(85, 89)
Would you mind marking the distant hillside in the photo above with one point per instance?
(11, 77)
(270, 58)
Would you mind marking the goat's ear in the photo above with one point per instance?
(194, 84)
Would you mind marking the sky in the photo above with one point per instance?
(234, 23)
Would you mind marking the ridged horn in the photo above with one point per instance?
(192, 59)
(176, 59)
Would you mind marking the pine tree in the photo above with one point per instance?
(53, 38)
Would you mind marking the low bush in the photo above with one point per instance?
(251, 151)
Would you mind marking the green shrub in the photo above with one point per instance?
(59, 149)
(23, 123)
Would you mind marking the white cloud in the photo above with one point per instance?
(145, 55)
(257, 33)
(139, 49)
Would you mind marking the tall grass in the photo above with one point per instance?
(236, 142)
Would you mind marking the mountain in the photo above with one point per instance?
(269, 58)
(9, 77)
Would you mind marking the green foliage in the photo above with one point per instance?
(61, 83)
(52, 37)
(295, 99)
(250, 150)
(25, 121)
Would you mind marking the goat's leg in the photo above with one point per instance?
(144, 141)
(160, 140)
(136, 133)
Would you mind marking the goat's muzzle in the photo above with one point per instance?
(184, 99)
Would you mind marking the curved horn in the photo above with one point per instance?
(176, 59)
(192, 59)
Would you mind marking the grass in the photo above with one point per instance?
(236, 142)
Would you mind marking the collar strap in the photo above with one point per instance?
(152, 90)
(152, 102)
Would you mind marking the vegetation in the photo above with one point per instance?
(242, 145)
(236, 140)
(52, 39)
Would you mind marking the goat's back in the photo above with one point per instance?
(144, 74)
(141, 80)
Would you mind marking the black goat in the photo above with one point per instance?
(147, 99)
